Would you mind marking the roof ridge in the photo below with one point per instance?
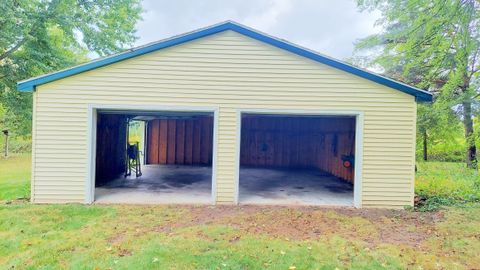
(30, 84)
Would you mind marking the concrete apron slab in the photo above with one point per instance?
(293, 187)
(160, 184)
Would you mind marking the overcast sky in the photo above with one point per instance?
(329, 27)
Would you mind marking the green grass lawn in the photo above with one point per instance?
(15, 177)
(233, 237)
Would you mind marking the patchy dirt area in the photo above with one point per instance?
(374, 226)
(241, 237)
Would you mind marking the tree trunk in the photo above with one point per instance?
(425, 148)
(469, 136)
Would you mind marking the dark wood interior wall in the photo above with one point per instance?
(111, 143)
(298, 142)
(180, 141)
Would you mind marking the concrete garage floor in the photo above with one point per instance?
(286, 186)
(165, 184)
(160, 184)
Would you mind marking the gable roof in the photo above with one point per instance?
(30, 84)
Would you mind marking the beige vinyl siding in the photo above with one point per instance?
(231, 72)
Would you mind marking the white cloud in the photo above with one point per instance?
(329, 27)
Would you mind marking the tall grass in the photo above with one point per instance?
(445, 183)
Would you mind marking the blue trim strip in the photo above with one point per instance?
(420, 95)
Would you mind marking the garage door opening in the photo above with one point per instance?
(292, 159)
(153, 157)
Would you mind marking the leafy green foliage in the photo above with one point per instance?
(445, 141)
(434, 45)
(38, 37)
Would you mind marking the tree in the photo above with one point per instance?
(434, 44)
(40, 36)
(438, 129)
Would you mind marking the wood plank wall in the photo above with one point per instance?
(298, 142)
(180, 141)
(111, 143)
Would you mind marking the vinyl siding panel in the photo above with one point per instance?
(231, 72)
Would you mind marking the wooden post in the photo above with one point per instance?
(425, 145)
(5, 132)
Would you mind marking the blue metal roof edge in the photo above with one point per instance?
(420, 95)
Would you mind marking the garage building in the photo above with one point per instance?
(226, 115)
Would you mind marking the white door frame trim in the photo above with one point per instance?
(92, 138)
(359, 123)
